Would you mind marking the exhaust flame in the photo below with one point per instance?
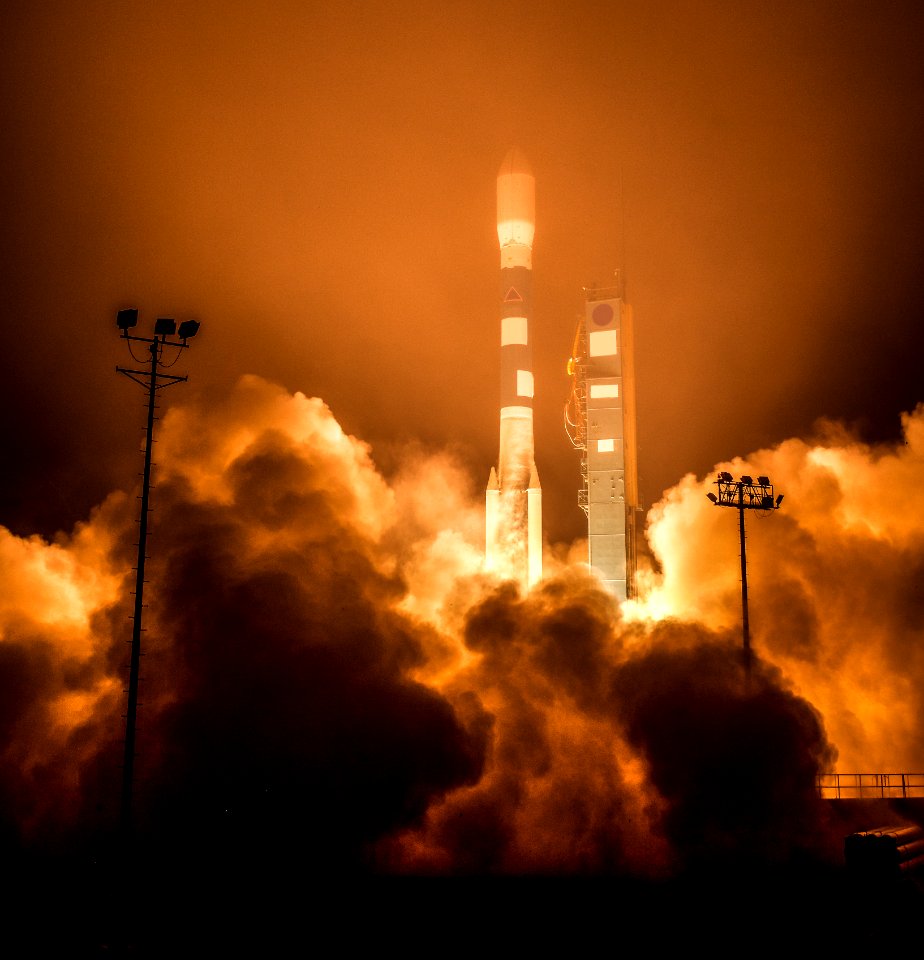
(329, 669)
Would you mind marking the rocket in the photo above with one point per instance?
(513, 498)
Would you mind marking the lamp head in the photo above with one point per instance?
(126, 319)
(164, 327)
(188, 329)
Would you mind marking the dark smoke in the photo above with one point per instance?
(735, 761)
(624, 750)
(293, 722)
(279, 708)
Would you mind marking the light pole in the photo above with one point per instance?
(745, 494)
(152, 379)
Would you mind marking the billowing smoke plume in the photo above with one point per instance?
(835, 582)
(60, 690)
(621, 750)
(329, 669)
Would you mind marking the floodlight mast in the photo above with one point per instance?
(152, 380)
(744, 494)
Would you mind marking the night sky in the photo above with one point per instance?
(315, 183)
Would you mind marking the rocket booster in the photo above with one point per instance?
(513, 508)
(516, 218)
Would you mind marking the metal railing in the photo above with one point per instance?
(868, 786)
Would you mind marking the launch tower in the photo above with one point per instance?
(513, 498)
(600, 421)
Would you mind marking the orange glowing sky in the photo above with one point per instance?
(315, 183)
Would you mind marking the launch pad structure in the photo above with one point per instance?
(600, 420)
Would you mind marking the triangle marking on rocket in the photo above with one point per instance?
(512, 296)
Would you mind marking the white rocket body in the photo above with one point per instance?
(513, 498)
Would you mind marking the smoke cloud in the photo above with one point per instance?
(836, 601)
(329, 672)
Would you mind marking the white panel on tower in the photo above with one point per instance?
(524, 383)
(603, 343)
(600, 391)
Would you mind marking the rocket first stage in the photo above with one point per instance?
(513, 499)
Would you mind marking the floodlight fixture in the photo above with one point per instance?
(164, 327)
(126, 319)
(188, 329)
(743, 495)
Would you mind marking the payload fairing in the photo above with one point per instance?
(513, 499)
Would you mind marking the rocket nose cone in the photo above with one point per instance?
(516, 201)
(515, 162)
